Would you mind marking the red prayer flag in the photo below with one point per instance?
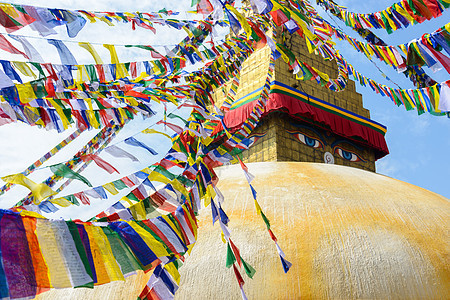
(238, 276)
(138, 194)
(11, 24)
(83, 198)
(279, 17)
(204, 7)
(236, 253)
(100, 162)
(7, 46)
(174, 127)
(243, 166)
(128, 182)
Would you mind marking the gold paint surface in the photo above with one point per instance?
(350, 234)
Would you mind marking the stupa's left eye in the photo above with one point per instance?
(347, 155)
(308, 140)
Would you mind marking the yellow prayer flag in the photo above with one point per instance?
(173, 271)
(112, 52)
(404, 13)
(28, 213)
(26, 92)
(131, 101)
(24, 69)
(9, 10)
(63, 202)
(179, 187)
(92, 51)
(104, 248)
(58, 274)
(138, 211)
(111, 188)
(258, 208)
(391, 23)
(106, 21)
(40, 191)
(155, 176)
(124, 198)
(242, 20)
(436, 97)
(151, 130)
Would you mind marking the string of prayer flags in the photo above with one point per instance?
(419, 98)
(425, 50)
(43, 20)
(186, 234)
(123, 238)
(426, 99)
(61, 254)
(95, 142)
(207, 179)
(397, 16)
(112, 133)
(285, 263)
(127, 181)
(45, 157)
(415, 73)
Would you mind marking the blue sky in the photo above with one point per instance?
(419, 145)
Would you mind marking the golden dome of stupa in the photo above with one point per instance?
(350, 234)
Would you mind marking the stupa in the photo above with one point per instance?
(349, 232)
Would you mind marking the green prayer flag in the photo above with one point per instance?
(164, 172)
(231, 259)
(81, 252)
(131, 196)
(386, 24)
(307, 75)
(174, 116)
(265, 220)
(119, 184)
(72, 199)
(39, 68)
(92, 73)
(248, 268)
(62, 170)
(122, 253)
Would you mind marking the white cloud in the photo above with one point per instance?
(387, 167)
(420, 126)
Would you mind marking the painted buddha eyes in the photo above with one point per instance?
(308, 141)
(347, 155)
(317, 142)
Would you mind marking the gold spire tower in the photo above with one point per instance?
(304, 121)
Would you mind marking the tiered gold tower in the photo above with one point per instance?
(286, 136)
